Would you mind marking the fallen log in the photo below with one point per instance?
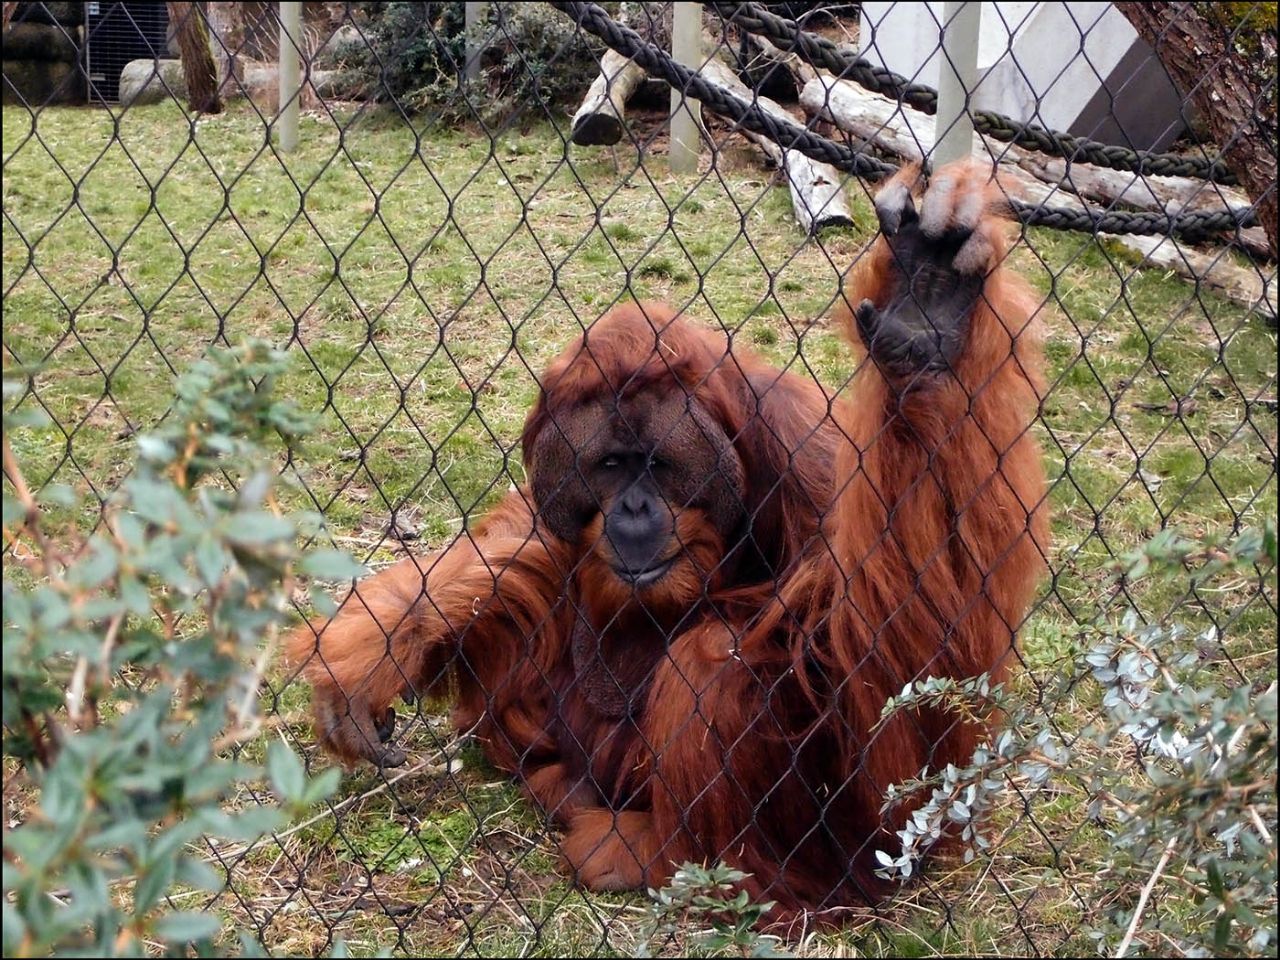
(876, 121)
(816, 193)
(1214, 270)
(871, 118)
(601, 118)
(1171, 195)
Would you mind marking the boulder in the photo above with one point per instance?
(151, 81)
(345, 44)
(42, 82)
(263, 80)
(39, 41)
(67, 14)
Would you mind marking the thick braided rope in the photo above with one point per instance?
(792, 136)
(821, 52)
(786, 133)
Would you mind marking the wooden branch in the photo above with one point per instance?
(802, 71)
(601, 118)
(197, 59)
(1225, 59)
(816, 194)
(1171, 195)
(1215, 270)
(907, 133)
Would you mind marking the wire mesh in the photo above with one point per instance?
(436, 242)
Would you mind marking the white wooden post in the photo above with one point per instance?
(474, 14)
(289, 74)
(686, 113)
(957, 75)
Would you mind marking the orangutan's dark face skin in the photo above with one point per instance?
(617, 478)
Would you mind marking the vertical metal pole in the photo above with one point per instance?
(290, 74)
(686, 114)
(957, 76)
(474, 13)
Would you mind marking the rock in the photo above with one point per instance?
(42, 82)
(67, 14)
(328, 84)
(261, 80)
(151, 81)
(39, 41)
(345, 44)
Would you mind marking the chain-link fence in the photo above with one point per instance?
(646, 575)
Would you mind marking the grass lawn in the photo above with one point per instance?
(419, 282)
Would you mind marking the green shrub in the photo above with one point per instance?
(699, 913)
(532, 58)
(1194, 818)
(132, 665)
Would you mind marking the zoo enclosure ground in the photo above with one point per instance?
(420, 279)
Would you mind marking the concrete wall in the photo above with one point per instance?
(1073, 66)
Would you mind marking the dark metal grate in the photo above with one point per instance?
(116, 34)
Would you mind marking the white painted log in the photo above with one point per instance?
(1171, 195)
(908, 133)
(685, 128)
(902, 130)
(816, 193)
(601, 118)
(1249, 286)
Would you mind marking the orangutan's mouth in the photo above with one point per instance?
(646, 577)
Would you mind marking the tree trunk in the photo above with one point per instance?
(197, 59)
(1226, 63)
(226, 22)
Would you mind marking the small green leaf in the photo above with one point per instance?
(257, 528)
(1214, 877)
(211, 560)
(14, 511)
(323, 604)
(1222, 933)
(95, 566)
(187, 926)
(198, 874)
(15, 929)
(152, 884)
(151, 447)
(286, 772)
(323, 786)
(254, 490)
(332, 565)
(128, 834)
(136, 598)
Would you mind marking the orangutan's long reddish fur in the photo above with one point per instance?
(755, 744)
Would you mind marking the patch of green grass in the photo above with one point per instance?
(419, 284)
